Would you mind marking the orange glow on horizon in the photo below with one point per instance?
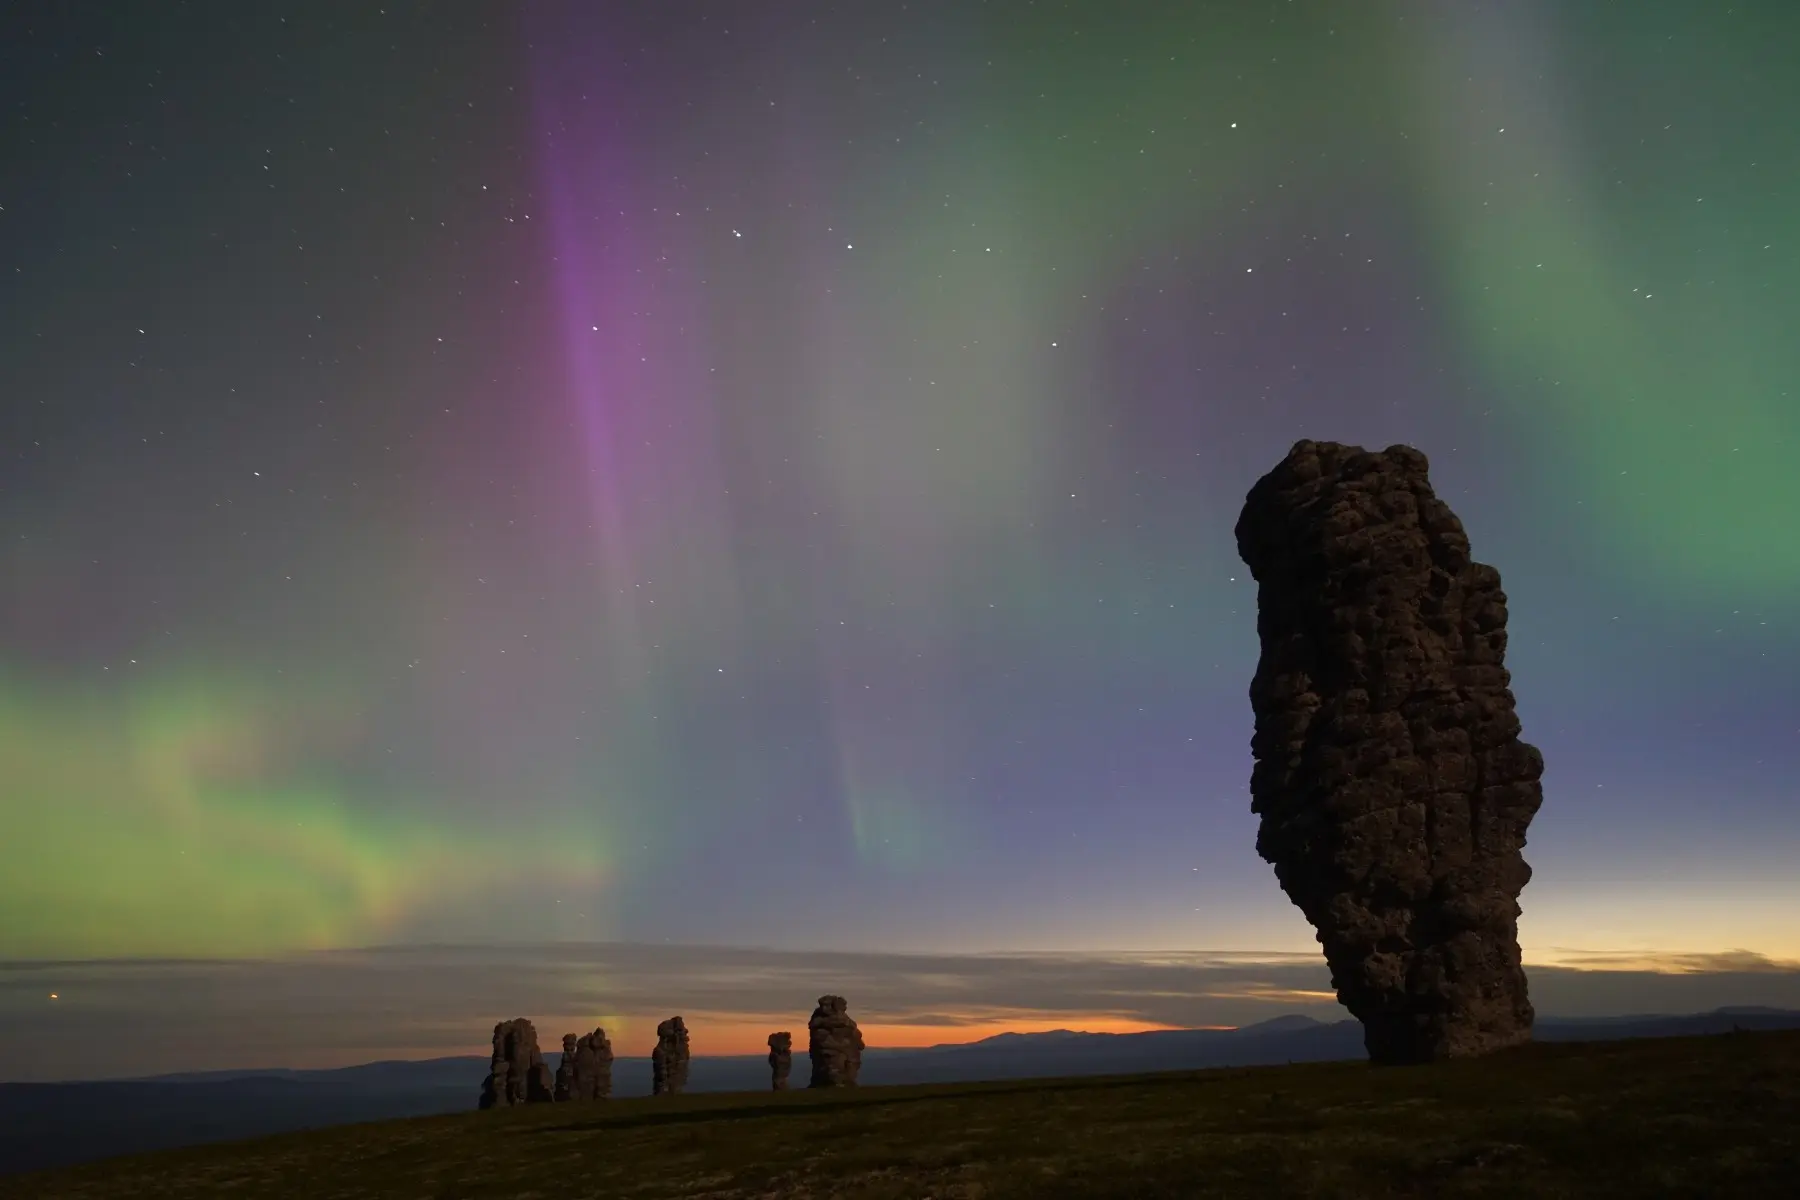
(735, 1033)
(737, 1036)
(909, 1037)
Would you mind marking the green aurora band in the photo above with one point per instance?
(195, 812)
(202, 818)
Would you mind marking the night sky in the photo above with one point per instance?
(762, 476)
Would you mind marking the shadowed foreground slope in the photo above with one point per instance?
(1709, 1116)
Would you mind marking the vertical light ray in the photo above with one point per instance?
(630, 268)
(1578, 284)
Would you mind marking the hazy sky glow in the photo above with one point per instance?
(337, 1008)
(763, 476)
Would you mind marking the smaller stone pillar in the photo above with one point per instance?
(835, 1044)
(565, 1070)
(517, 1073)
(586, 1071)
(669, 1061)
(781, 1059)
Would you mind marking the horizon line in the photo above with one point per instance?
(1589, 960)
(1345, 1019)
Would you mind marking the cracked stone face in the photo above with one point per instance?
(586, 1070)
(1393, 788)
(781, 1059)
(669, 1061)
(835, 1044)
(517, 1073)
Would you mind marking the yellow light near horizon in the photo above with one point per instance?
(1715, 925)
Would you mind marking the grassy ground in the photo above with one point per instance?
(1713, 1117)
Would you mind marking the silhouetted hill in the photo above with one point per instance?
(1704, 1116)
(44, 1125)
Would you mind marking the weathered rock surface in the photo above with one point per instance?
(517, 1073)
(1392, 785)
(586, 1070)
(669, 1061)
(835, 1044)
(565, 1070)
(781, 1059)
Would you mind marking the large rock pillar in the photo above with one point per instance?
(1392, 785)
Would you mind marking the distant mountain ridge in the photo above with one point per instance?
(1290, 1023)
(53, 1124)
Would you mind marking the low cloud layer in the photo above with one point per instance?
(133, 1017)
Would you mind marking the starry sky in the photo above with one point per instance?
(762, 476)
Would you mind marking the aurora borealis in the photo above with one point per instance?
(763, 475)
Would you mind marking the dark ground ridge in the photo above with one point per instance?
(1698, 1116)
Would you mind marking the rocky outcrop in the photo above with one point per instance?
(781, 1059)
(1392, 785)
(835, 1044)
(586, 1070)
(669, 1061)
(565, 1070)
(517, 1073)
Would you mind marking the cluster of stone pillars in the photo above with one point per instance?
(1393, 787)
(834, 1044)
(517, 1073)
